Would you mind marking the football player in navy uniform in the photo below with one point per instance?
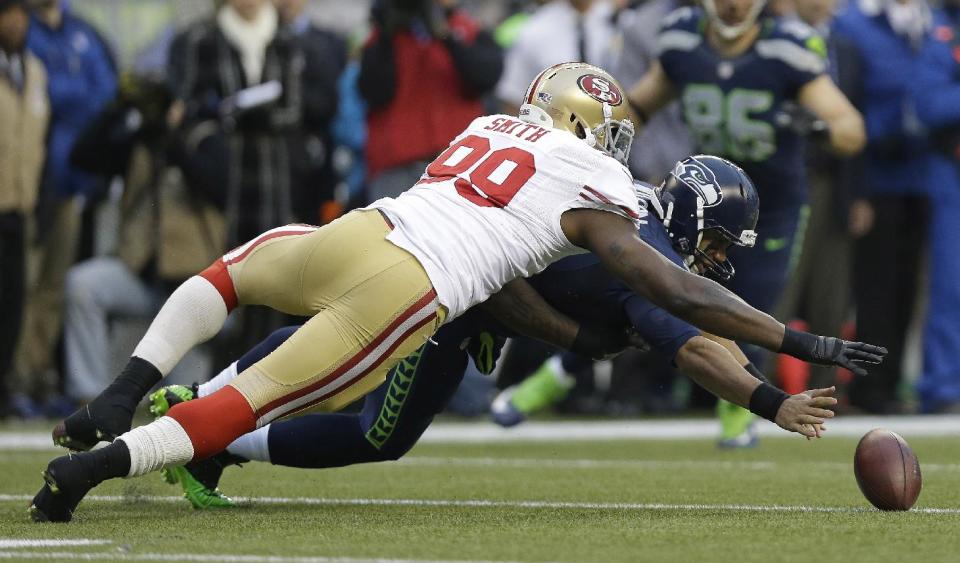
(705, 206)
(750, 88)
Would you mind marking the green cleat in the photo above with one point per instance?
(199, 495)
(544, 388)
(164, 398)
(737, 426)
(198, 479)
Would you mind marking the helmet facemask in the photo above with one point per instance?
(611, 137)
(614, 138)
(717, 271)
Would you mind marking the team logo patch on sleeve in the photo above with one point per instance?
(600, 89)
(700, 179)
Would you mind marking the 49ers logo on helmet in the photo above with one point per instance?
(600, 89)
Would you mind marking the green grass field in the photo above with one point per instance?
(788, 500)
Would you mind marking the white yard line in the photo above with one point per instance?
(6, 543)
(663, 429)
(520, 504)
(213, 558)
(553, 463)
(675, 429)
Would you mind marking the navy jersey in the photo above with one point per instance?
(581, 287)
(730, 105)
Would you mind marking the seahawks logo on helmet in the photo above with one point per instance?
(700, 179)
(600, 89)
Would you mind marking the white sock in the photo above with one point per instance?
(218, 382)
(252, 445)
(162, 443)
(555, 364)
(194, 313)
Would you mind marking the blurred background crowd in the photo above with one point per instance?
(139, 140)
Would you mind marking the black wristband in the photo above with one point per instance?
(798, 344)
(752, 370)
(766, 400)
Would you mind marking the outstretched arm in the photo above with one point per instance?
(695, 299)
(698, 300)
(717, 370)
(738, 355)
(519, 307)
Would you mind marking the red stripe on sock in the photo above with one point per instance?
(214, 421)
(421, 303)
(218, 275)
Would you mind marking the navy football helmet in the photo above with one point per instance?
(708, 193)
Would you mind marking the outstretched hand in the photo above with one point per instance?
(805, 413)
(828, 350)
(846, 354)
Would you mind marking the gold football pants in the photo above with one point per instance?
(370, 302)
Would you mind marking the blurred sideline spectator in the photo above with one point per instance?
(81, 81)
(239, 90)
(559, 31)
(937, 93)
(423, 74)
(350, 139)
(889, 35)
(324, 56)
(166, 233)
(820, 290)
(244, 161)
(25, 112)
(664, 139)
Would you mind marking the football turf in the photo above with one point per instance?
(787, 500)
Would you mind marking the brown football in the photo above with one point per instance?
(887, 470)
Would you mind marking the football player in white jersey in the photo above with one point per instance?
(507, 198)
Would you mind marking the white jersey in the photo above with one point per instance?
(488, 209)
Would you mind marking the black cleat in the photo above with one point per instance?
(67, 480)
(100, 420)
